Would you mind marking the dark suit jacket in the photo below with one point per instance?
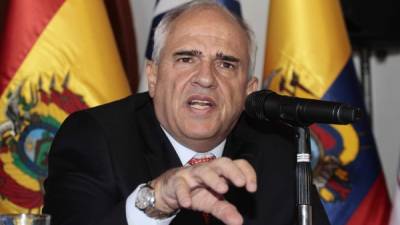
(100, 155)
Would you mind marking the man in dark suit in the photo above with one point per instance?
(147, 159)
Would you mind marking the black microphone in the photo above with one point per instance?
(267, 105)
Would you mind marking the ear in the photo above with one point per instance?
(252, 85)
(151, 72)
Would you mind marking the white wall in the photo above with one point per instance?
(386, 114)
(386, 77)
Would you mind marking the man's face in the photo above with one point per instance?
(200, 83)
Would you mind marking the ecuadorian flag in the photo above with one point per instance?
(308, 55)
(56, 57)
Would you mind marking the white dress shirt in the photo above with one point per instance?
(134, 215)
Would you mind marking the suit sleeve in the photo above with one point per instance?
(81, 187)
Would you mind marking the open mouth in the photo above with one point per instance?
(201, 103)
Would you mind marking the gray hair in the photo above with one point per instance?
(162, 29)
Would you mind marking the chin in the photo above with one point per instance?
(204, 133)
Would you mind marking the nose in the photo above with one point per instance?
(205, 75)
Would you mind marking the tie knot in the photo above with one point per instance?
(201, 158)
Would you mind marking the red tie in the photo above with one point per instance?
(202, 158)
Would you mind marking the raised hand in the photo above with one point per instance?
(201, 187)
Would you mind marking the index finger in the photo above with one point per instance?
(227, 213)
(226, 168)
(249, 172)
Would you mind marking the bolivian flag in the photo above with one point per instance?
(308, 55)
(56, 57)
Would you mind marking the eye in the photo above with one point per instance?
(226, 65)
(185, 59)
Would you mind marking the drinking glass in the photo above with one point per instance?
(24, 219)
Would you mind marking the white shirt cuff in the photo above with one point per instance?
(136, 216)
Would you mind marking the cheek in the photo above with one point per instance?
(165, 82)
(234, 94)
(173, 77)
(170, 92)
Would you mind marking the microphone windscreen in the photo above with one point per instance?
(254, 105)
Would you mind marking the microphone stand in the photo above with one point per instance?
(303, 175)
(300, 113)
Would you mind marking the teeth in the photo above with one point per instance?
(200, 104)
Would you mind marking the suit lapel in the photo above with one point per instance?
(159, 153)
(237, 148)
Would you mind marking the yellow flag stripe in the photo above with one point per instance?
(6, 206)
(307, 38)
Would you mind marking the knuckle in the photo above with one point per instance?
(245, 166)
(224, 160)
(222, 210)
(177, 182)
(242, 162)
(180, 175)
(200, 170)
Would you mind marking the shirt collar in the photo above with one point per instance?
(185, 153)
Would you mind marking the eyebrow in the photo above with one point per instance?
(188, 53)
(230, 58)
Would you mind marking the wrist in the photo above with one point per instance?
(146, 202)
(160, 204)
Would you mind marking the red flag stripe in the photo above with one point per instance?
(25, 21)
(18, 194)
(375, 202)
